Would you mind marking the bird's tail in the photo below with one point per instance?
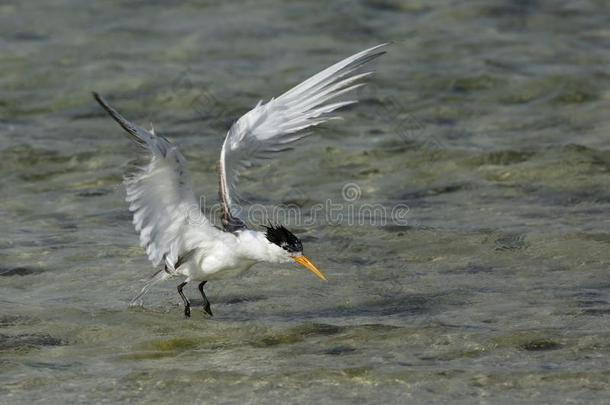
(156, 278)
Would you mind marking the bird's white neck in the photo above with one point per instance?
(253, 245)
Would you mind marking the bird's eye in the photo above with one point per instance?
(292, 248)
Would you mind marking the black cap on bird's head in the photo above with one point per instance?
(282, 237)
(285, 239)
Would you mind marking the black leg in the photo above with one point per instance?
(187, 304)
(206, 303)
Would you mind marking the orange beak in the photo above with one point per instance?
(304, 261)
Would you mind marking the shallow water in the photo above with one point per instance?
(487, 119)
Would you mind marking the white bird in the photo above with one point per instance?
(162, 200)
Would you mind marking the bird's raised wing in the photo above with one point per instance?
(165, 210)
(272, 127)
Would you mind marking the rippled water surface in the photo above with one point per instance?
(488, 119)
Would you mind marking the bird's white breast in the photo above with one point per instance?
(226, 257)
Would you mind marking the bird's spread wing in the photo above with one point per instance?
(165, 210)
(274, 126)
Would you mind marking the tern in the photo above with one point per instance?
(161, 198)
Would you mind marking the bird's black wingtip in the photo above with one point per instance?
(98, 98)
(131, 129)
(113, 113)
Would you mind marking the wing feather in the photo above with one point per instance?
(161, 197)
(272, 127)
